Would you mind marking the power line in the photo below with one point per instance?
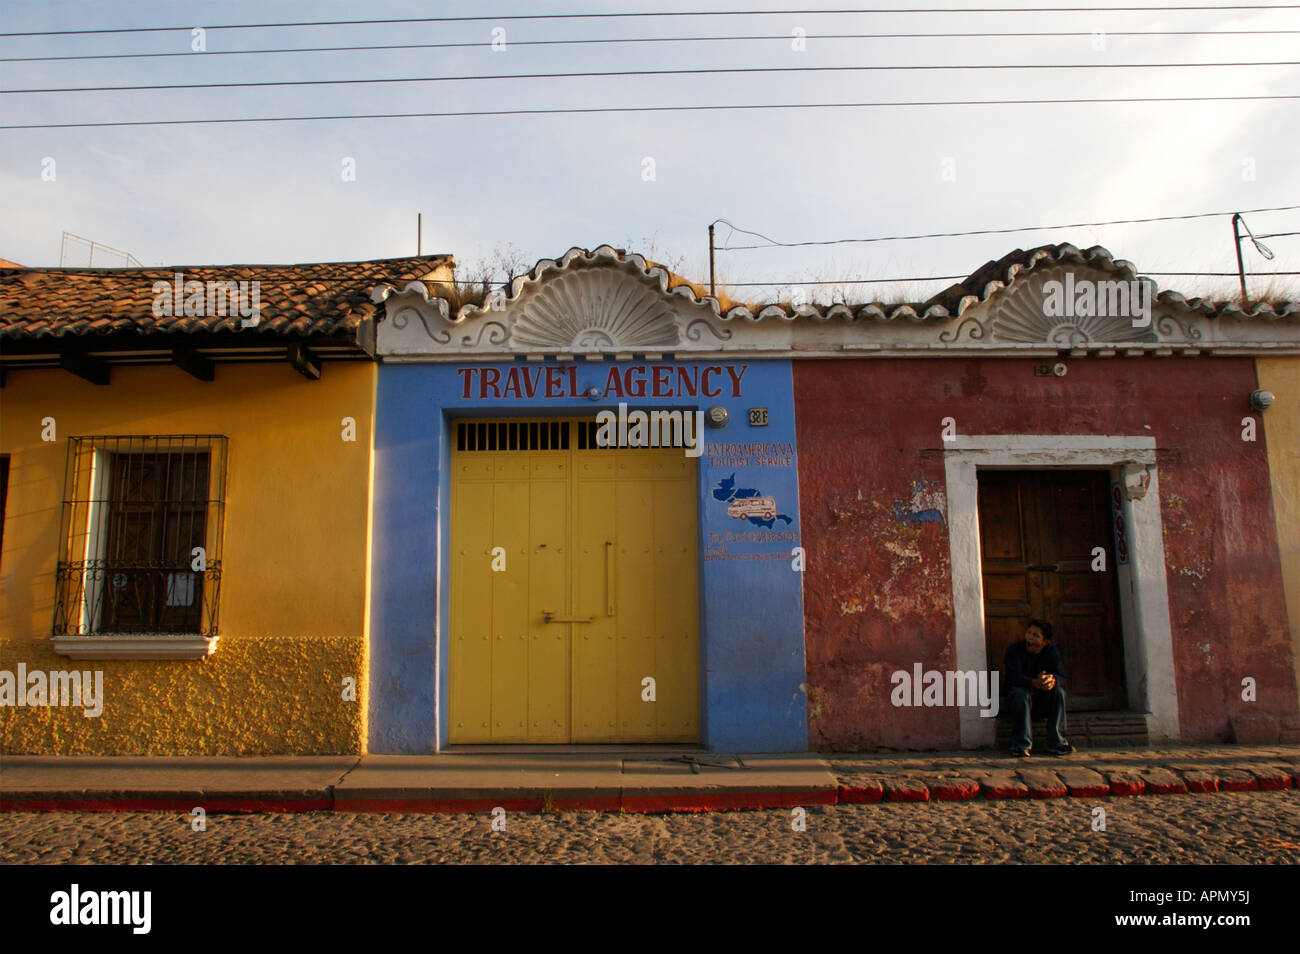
(950, 278)
(666, 14)
(95, 273)
(582, 110)
(652, 39)
(772, 243)
(849, 281)
(610, 74)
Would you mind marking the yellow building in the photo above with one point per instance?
(1281, 377)
(186, 458)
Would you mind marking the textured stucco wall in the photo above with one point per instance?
(1282, 429)
(293, 592)
(257, 695)
(878, 591)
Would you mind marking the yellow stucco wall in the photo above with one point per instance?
(293, 603)
(1282, 432)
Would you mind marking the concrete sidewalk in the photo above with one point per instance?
(640, 781)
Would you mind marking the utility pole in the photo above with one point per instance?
(1241, 269)
(419, 233)
(713, 284)
(1260, 247)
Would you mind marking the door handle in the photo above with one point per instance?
(549, 617)
(609, 578)
(1045, 567)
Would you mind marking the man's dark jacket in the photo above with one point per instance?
(1022, 666)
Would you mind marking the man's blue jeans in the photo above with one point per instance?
(1025, 704)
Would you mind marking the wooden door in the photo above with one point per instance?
(635, 543)
(573, 581)
(1038, 530)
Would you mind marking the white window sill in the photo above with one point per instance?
(136, 646)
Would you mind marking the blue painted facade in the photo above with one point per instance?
(751, 596)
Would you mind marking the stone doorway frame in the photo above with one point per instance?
(1143, 589)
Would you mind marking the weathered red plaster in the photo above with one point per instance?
(878, 590)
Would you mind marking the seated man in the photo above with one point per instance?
(1034, 675)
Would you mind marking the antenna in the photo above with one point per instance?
(63, 252)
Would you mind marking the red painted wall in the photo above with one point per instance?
(878, 589)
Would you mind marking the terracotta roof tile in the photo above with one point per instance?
(325, 299)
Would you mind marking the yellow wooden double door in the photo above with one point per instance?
(574, 610)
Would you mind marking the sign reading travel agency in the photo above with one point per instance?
(633, 381)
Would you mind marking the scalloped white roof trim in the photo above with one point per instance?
(1096, 257)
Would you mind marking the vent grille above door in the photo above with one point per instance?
(512, 435)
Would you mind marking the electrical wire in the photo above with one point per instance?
(479, 44)
(611, 74)
(671, 14)
(773, 243)
(587, 110)
(948, 278)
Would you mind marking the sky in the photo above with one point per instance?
(508, 190)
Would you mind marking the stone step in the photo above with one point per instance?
(1089, 730)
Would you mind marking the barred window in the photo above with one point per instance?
(142, 530)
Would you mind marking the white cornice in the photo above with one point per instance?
(608, 304)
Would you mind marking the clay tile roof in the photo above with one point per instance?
(992, 277)
(325, 299)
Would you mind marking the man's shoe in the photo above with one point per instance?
(1064, 749)
(1020, 753)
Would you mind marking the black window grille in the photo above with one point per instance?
(512, 435)
(664, 428)
(143, 521)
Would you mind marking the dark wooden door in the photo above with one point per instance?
(157, 515)
(1037, 533)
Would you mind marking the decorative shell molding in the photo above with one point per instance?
(1021, 317)
(595, 310)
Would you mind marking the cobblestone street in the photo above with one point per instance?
(1221, 828)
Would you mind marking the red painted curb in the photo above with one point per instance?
(1166, 788)
(998, 792)
(861, 794)
(1088, 791)
(247, 806)
(443, 806)
(908, 795)
(1049, 792)
(643, 804)
(725, 801)
(1122, 787)
(956, 792)
(868, 793)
